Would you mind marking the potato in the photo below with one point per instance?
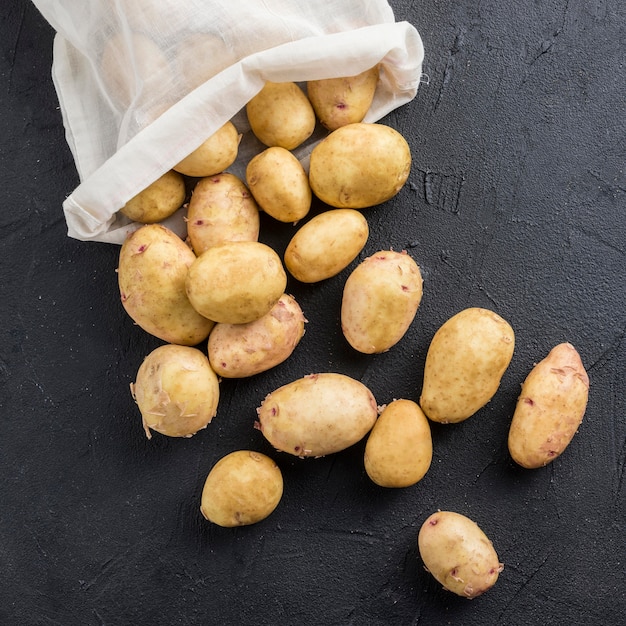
(221, 209)
(326, 245)
(281, 115)
(241, 350)
(279, 184)
(236, 282)
(465, 362)
(341, 101)
(458, 554)
(359, 165)
(158, 200)
(176, 390)
(213, 155)
(380, 299)
(399, 448)
(153, 267)
(317, 415)
(242, 488)
(550, 408)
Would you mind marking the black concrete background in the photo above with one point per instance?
(515, 202)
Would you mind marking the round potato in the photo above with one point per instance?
(359, 165)
(213, 155)
(399, 449)
(380, 300)
(236, 282)
(281, 115)
(341, 101)
(458, 554)
(279, 184)
(176, 390)
(221, 209)
(243, 487)
(158, 200)
(317, 415)
(153, 267)
(326, 245)
(241, 350)
(550, 408)
(465, 362)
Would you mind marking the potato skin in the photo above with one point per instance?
(317, 415)
(458, 554)
(221, 209)
(465, 362)
(158, 200)
(236, 282)
(281, 115)
(279, 184)
(153, 266)
(241, 350)
(550, 408)
(326, 245)
(176, 390)
(242, 488)
(359, 165)
(380, 299)
(341, 101)
(399, 448)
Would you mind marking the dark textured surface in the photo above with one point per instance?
(515, 202)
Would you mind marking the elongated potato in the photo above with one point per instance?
(176, 390)
(317, 415)
(158, 200)
(326, 245)
(359, 165)
(241, 350)
(279, 184)
(242, 488)
(281, 115)
(550, 408)
(399, 448)
(341, 101)
(380, 300)
(236, 282)
(153, 267)
(221, 209)
(465, 362)
(458, 554)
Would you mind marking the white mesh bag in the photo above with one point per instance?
(142, 83)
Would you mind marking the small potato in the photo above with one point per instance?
(341, 101)
(279, 184)
(158, 200)
(221, 209)
(236, 282)
(317, 415)
(242, 488)
(399, 448)
(326, 245)
(359, 165)
(550, 408)
(153, 266)
(213, 155)
(281, 115)
(241, 350)
(380, 300)
(458, 554)
(465, 362)
(176, 390)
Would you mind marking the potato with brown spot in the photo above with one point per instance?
(153, 267)
(550, 408)
(176, 390)
(456, 551)
(242, 488)
(221, 209)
